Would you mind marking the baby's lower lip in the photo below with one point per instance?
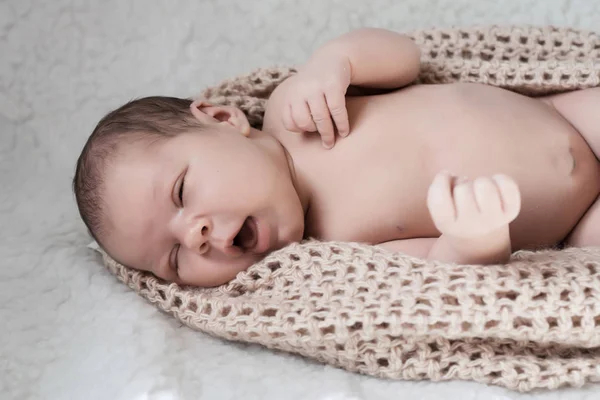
(263, 235)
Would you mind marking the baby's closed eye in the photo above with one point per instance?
(179, 189)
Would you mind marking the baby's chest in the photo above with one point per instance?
(371, 198)
(371, 221)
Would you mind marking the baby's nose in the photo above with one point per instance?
(196, 237)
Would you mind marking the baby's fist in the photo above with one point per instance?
(316, 100)
(465, 208)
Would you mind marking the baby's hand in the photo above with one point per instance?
(469, 209)
(317, 101)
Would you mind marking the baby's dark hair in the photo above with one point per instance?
(149, 117)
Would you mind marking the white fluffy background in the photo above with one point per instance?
(69, 330)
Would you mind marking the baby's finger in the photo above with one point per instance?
(464, 200)
(288, 121)
(337, 108)
(302, 117)
(487, 196)
(439, 199)
(511, 195)
(322, 119)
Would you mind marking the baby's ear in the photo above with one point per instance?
(207, 113)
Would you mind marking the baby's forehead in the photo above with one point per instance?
(134, 145)
(129, 197)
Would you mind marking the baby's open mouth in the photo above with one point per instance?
(247, 236)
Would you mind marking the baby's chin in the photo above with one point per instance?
(294, 236)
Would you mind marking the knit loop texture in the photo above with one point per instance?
(533, 323)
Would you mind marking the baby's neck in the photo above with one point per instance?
(284, 159)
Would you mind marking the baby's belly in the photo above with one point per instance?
(557, 173)
(476, 130)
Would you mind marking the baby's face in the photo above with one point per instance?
(198, 208)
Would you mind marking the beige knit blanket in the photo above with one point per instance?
(533, 323)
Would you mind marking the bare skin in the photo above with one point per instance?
(545, 162)
(460, 173)
(521, 174)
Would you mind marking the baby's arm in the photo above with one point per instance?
(314, 99)
(491, 250)
(377, 58)
(473, 218)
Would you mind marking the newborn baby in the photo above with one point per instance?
(463, 173)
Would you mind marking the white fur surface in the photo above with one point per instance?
(69, 330)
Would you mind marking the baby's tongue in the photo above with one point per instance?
(246, 238)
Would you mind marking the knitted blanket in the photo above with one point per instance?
(533, 323)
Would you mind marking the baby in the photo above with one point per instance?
(463, 173)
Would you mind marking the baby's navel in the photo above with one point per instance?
(564, 162)
(570, 162)
(573, 161)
